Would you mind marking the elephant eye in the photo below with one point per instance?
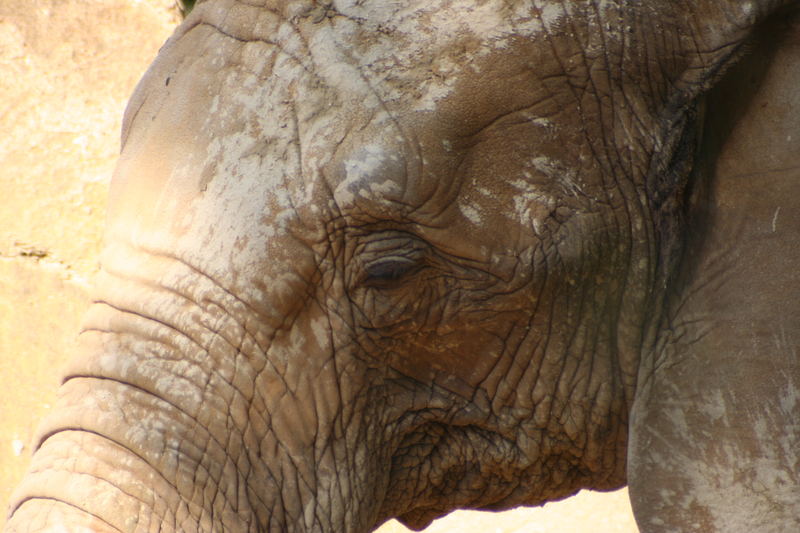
(385, 271)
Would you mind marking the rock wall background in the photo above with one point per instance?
(67, 68)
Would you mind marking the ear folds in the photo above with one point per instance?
(699, 41)
(717, 32)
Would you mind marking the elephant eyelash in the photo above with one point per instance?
(387, 258)
(386, 272)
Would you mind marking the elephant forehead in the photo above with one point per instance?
(415, 53)
(244, 117)
(383, 52)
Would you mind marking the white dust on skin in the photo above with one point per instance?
(533, 202)
(251, 158)
(260, 177)
(362, 172)
(428, 44)
(739, 484)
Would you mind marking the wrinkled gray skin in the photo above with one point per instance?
(373, 259)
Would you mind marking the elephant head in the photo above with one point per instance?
(379, 259)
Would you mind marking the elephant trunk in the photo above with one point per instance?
(173, 419)
(132, 444)
(87, 471)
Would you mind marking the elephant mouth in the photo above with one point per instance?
(451, 458)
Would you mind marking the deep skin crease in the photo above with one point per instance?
(356, 272)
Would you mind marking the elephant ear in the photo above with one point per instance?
(709, 37)
(715, 426)
(717, 30)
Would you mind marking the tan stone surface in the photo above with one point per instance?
(66, 69)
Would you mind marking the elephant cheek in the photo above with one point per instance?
(457, 362)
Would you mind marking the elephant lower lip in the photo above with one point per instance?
(420, 518)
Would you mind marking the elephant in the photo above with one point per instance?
(369, 259)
